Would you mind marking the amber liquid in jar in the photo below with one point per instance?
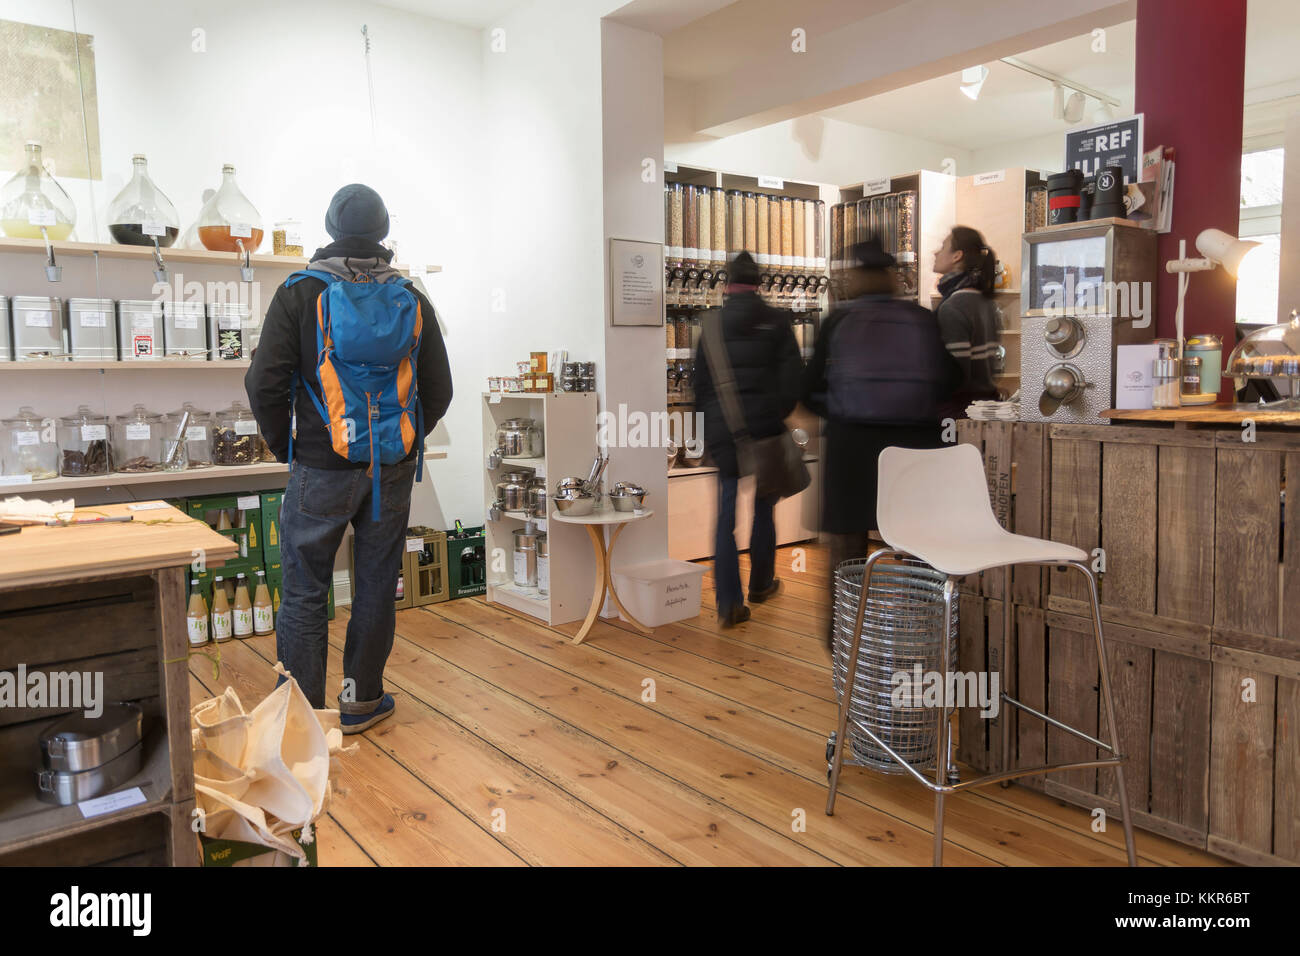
(219, 239)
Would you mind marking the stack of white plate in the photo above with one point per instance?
(993, 411)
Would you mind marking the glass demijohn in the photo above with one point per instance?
(32, 201)
(141, 215)
(229, 219)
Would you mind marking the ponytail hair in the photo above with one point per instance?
(976, 258)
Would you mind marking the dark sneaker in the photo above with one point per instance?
(737, 615)
(356, 723)
(758, 597)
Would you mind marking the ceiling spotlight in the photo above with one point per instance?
(1104, 114)
(1074, 107)
(972, 79)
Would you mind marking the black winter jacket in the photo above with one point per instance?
(288, 347)
(767, 369)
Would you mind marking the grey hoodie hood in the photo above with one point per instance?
(349, 267)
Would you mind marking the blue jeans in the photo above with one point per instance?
(318, 506)
(762, 547)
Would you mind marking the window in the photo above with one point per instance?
(1261, 220)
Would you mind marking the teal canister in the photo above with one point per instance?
(1209, 349)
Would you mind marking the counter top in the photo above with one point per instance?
(1206, 415)
(156, 538)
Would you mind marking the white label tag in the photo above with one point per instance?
(147, 506)
(186, 321)
(139, 431)
(154, 229)
(414, 544)
(262, 621)
(221, 625)
(141, 320)
(248, 502)
(94, 432)
(94, 320)
(984, 179)
(242, 619)
(228, 322)
(197, 628)
(41, 217)
(248, 427)
(543, 574)
(15, 479)
(40, 320)
(114, 801)
(241, 230)
(874, 187)
(27, 438)
(770, 182)
(196, 433)
(293, 237)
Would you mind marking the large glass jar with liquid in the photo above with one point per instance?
(32, 201)
(228, 220)
(141, 215)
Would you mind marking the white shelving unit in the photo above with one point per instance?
(568, 421)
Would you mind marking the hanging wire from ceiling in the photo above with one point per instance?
(370, 81)
(85, 126)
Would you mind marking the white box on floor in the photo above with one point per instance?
(660, 592)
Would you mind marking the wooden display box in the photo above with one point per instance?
(426, 567)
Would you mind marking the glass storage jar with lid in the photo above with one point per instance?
(196, 439)
(141, 215)
(228, 222)
(32, 201)
(28, 446)
(234, 436)
(84, 443)
(138, 441)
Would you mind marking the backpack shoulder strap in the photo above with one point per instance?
(296, 277)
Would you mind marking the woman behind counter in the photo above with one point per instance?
(968, 317)
(878, 375)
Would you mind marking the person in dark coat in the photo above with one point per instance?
(878, 375)
(767, 370)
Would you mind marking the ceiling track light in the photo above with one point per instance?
(972, 80)
(1071, 110)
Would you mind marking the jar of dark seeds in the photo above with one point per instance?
(83, 443)
(235, 436)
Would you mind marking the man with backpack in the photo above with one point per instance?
(348, 378)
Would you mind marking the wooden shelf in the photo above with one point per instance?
(149, 477)
(527, 601)
(1205, 415)
(524, 516)
(156, 365)
(145, 254)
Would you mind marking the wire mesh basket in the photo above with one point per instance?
(901, 631)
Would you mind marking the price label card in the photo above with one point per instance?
(875, 187)
(94, 432)
(40, 320)
(15, 479)
(241, 230)
(141, 320)
(94, 320)
(228, 323)
(984, 179)
(139, 431)
(186, 321)
(154, 229)
(196, 433)
(147, 506)
(41, 217)
(27, 438)
(248, 502)
(770, 182)
(246, 427)
(414, 544)
(110, 803)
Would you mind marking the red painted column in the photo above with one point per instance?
(1191, 61)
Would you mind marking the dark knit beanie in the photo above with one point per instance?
(357, 210)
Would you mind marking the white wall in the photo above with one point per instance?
(280, 91)
(816, 149)
(1043, 153)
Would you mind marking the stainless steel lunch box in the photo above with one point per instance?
(77, 743)
(64, 788)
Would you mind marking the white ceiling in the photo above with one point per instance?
(1012, 104)
(467, 13)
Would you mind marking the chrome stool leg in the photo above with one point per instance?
(943, 746)
(1108, 702)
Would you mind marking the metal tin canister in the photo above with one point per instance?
(6, 334)
(40, 329)
(1191, 384)
(185, 333)
(543, 565)
(228, 331)
(525, 571)
(140, 330)
(1209, 348)
(92, 330)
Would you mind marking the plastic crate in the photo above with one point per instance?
(426, 565)
(660, 592)
(467, 574)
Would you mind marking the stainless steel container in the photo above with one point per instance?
(92, 330)
(40, 330)
(512, 490)
(65, 787)
(227, 331)
(6, 332)
(525, 575)
(537, 497)
(76, 743)
(520, 438)
(185, 333)
(543, 564)
(140, 330)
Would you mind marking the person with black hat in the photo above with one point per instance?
(878, 375)
(765, 370)
(326, 491)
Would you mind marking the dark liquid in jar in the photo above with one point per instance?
(132, 234)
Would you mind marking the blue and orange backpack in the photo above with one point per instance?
(367, 343)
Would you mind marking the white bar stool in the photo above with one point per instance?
(933, 505)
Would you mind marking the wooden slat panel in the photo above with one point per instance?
(970, 432)
(1130, 684)
(1185, 538)
(972, 742)
(1072, 699)
(997, 474)
(1241, 758)
(51, 597)
(1128, 526)
(993, 725)
(1075, 504)
(1030, 449)
(44, 637)
(1246, 532)
(131, 675)
(1180, 739)
(174, 686)
(1286, 785)
(1291, 555)
(1031, 689)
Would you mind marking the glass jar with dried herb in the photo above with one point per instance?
(234, 436)
(138, 441)
(197, 438)
(83, 443)
(28, 446)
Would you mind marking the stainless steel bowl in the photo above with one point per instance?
(626, 501)
(628, 487)
(575, 505)
(574, 484)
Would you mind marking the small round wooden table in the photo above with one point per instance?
(596, 522)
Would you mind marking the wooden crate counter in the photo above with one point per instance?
(1200, 594)
(110, 599)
